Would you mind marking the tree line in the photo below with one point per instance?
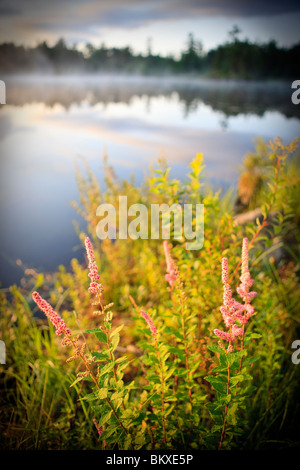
(235, 59)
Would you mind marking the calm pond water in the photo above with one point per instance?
(50, 122)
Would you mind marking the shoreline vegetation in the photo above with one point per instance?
(151, 366)
(235, 59)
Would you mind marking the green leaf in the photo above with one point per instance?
(232, 417)
(116, 395)
(235, 357)
(215, 348)
(121, 359)
(220, 369)
(106, 369)
(171, 398)
(154, 378)
(178, 352)
(108, 325)
(217, 384)
(239, 378)
(222, 401)
(139, 440)
(93, 330)
(115, 341)
(116, 330)
(76, 381)
(199, 399)
(169, 410)
(215, 411)
(102, 393)
(252, 336)
(101, 336)
(120, 370)
(117, 403)
(216, 428)
(169, 373)
(127, 442)
(90, 397)
(173, 331)
(100, 356)
(110, 430)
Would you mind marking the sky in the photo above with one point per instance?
(162, 24)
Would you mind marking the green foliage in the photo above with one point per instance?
(128, 388)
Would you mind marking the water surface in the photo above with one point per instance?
(49, 122)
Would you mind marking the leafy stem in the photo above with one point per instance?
(186, 352)
(226, 406)
(162, 389)
(94, 379)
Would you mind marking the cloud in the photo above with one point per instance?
(90, 20)
(233, 8)
(9, 10)
(133, 13)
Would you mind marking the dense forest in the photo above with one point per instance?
(234, 59)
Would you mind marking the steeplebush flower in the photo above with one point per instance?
(246, 283)
(61, 327)
(171, 276)
(50, 313)
(150, 323)
(222, 334)
(95, 287)
(232, 310)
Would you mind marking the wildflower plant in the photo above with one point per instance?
(159, 347)
(230, 379)
(109, 394)
(158, 387)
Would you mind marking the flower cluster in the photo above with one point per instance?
(95, 287)
(50, 313)
(246, 282)
(233, 311)
(150, 323)
(78, 348)
(170, 277)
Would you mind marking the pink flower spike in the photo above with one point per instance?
(224, 271)
(246, 282)
(236, 331)
(170, 277)
(95, 287)
(149, 322)
(50, 313)
(222, 334)
(89, 250)
(233, 311)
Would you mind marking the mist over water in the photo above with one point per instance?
(230, 97)
(49, 123)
